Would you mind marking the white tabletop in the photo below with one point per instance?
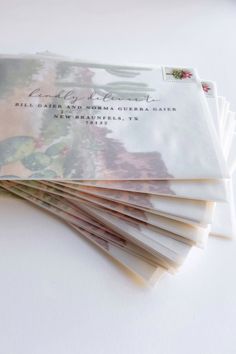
(58, 293)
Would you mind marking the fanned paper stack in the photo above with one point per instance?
(136, 159)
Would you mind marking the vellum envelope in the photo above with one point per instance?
(64, 119)
(192, 211)
(186, 230)
(211, 190)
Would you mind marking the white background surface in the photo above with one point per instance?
(58, 294)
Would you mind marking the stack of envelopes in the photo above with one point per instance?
(137, 159)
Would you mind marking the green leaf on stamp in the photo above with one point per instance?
(36, 161)
(15, 148)
(44, 174)
(56, 149)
